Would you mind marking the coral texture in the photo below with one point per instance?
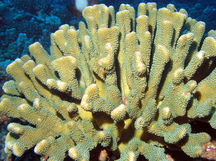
(131, 85)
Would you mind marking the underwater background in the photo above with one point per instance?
(23, 22)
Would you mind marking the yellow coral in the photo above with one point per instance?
(115, 83)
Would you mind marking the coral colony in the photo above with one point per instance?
(129, 82)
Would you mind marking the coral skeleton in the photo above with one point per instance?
(130, 82)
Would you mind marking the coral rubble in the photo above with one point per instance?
(131, 85)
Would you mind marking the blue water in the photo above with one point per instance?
(23, 22)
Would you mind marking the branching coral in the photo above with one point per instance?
(131, 85)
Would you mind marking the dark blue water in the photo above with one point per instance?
(23, 22)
